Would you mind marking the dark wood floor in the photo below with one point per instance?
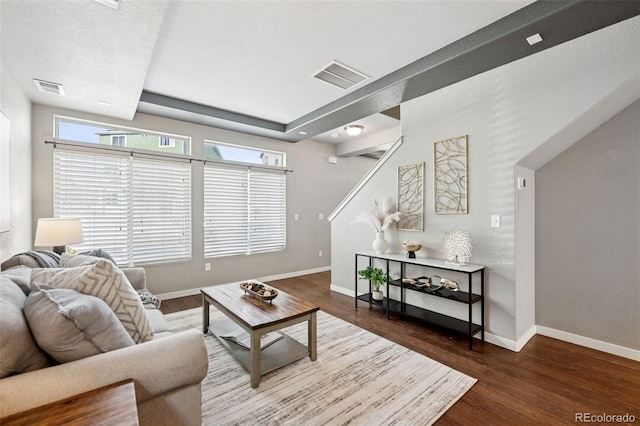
(546, 383)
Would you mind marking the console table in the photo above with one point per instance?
(468, 294)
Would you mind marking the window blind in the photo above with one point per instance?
(161, 204)
(244, 211)
(136, 209)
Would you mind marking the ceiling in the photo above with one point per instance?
(249, 65)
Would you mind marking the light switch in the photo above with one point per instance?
(320, 216)
(296, 217)
(495, 221)
(207, 267)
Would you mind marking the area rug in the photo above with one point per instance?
(359, 378)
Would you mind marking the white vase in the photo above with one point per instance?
(380, 245)
(377, 295)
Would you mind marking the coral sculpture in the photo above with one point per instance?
(456, 246)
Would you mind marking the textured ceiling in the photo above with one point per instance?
(248, 65)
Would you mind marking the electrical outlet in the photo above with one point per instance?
(320, 253)
(207, 267)
(320, 216)
(296, 217)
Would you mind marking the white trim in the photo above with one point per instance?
(365, 179)
(503, 342)
(341, 290)
(524, 339)
(588, 342)
(196, 291)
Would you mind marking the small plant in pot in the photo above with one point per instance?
(377, 277)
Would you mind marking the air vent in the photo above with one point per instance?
(113, 4)
(48, 87)
(340, 75)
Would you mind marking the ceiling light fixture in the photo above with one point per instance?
(105, 103)
(354, 129)
(303, 133)
(534, 39)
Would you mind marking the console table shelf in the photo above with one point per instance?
(470, 297)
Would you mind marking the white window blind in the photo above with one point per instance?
(161, 202)
(138, 210)
(244, 211)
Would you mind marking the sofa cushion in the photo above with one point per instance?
(19, 353)
(68, 260)
(21, 276)
(70, 325)
(108, 282)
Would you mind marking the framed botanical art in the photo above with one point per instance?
(450, 191)
(411, 197)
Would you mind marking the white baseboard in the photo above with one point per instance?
(516, 346)
(587, 342)
(341, 290)
(524, 339)
(195, 291)
(503, 342)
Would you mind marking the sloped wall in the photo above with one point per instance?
(507, 113)
(588, 249)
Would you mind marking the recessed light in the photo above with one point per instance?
(534, 39)
(303, 133)
(105, 103)
(334, 135)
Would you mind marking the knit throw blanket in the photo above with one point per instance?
(45, 259)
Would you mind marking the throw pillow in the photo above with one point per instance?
(106, 281)
(68, 260)
(19, 353)
(99, 253)
(70, 325)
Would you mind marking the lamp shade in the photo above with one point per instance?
(59, 231)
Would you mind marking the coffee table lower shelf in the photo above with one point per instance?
(274, 356)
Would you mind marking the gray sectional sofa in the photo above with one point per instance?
(167, 369)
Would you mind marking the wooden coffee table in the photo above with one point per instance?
(258, 318)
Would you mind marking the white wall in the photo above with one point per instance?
(17, 107)
(314, 187)
(507, 113)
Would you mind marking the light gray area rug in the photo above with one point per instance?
(359, 379)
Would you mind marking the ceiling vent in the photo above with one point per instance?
(113, 4)
(48, 87)
(340, 75)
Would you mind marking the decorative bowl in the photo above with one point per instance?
(409, 246)
(259, 290)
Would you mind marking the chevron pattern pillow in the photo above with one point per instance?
(106, 281)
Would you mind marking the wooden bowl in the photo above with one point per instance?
(253, 287)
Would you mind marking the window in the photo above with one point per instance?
(167, 142)
(138, 210)
(90, 132)
(244, 210)
(118, 140)
(243, 154)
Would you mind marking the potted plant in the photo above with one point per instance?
(377, 277)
